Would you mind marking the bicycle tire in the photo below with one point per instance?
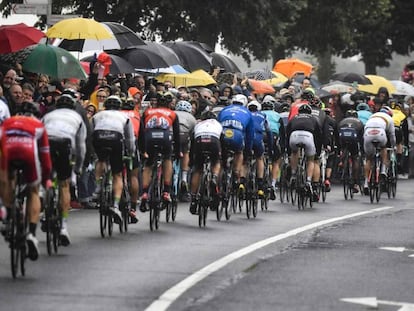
(345, 173)
(103, 215)
(174, 206)
(49, 202)
(13, 241)
(167, 212)
(152, 216)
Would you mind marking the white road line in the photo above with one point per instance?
(172, 294)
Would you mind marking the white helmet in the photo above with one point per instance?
(256, 104)
(184, 105)
(269, 99)
(239, 99)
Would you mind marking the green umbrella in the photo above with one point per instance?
(53, 61)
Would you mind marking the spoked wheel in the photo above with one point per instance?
(48, 220)
(345, 187)
(378, 192)
(168, 207)
(110, 223)
(254, 202)
(201, 220)
(174, 205)
(218, 207)
(323, 192)
(152, 216)
(248, 205)
(14, 243)
(103, 219)
(125, 218)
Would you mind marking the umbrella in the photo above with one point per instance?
(170, 69)
(224, 62)
(277, 79)
(402, 88)
(123, 38)
(118, 64)
(150, 56)
(337, 86)
(191, 56)
(53, 61)
(313, 81)
(351, 77)
(18, 36)
(376, 83)
(260, 87)
(290, 66)
(79, 28)
(195, 78)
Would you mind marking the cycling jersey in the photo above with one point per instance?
(25, 139)
(378, 127)
(237, 125)
(398, 117)
(135, 118)
(261, 127)
(350, 133)
(302, 124)
(67, 123)
(4, 111)
(209, 127)
(364, 115)
(187, 123)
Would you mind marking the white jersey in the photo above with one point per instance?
(114, 120)
(209, 127)
(67, 123)
(381, 120)
(4, 111)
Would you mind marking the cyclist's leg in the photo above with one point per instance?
(116, 163)
(33, 208)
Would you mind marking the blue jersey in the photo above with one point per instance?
(261, 126)
(364, 115)
(238, 118)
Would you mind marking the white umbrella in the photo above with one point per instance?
(402, 88)
(337, 86)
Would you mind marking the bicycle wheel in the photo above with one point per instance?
(379, 182)
(48, 212)
(167, 212)
(103, 214)
(14, 238)
(152, 216)
(174, 206)
(345, 174)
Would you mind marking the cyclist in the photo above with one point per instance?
(111, 131)
(303, 129)
(24, 138)
(261, 130)
(307, 97)
(350, 136)
(205, 138)
(238, 132)
(379, 127)
(67, 138)
(277, 127)
(332, 125)
(401, 131)
(364, 112)
(159, 129)
(187, 122)
(129, 108)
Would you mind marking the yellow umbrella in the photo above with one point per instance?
(195, 78)
(278, 78)
(79, 28)
(377, 82)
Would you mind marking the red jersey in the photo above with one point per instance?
(159, 118)
(135, 118)
(25, 139)
(294, 108)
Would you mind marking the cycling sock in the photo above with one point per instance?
(116, 202)
(134, 206)
(260, 183)
(167, 188)
(144, 189)
(242, 180)
(184, 175)
(64, 223)
(273, 183)
(32, 228)
(308, 179)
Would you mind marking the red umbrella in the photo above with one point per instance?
(16, 37)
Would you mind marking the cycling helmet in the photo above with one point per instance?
(363, 106)
(387, 110)
(183, 105)
(161, 99)
(71, 92)
(351, 114)
(65, 101)
(305, 109)
(29, 109)
(268, 105)
(208, 115)
(239, 99)
(128, 104)
(254, 105)
(168, 97)
(285, 107)
(113, 102)
(308, 95)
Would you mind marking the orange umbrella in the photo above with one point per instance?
(290, 66)
(260, 87)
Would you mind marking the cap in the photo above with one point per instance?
(134, 90)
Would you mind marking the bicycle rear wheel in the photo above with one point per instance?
(14, 243)
(48, 212)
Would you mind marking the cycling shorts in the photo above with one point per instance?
(305, 138)
(25, 151)
(258, 146)
(349, 137)
(372, 134)
(185, 142)
(60, 152)
(206, 145)
(158, 141)
(108, 145)
(398, 135)
(233, 139)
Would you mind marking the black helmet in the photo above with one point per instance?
(305, 109)
(351, 114)
(208, 115)
(29, 109)
(113, 102)
(161, 99)
(285, 107)
(128, 104)
(328, 111)
(308, 95)
(65, 101)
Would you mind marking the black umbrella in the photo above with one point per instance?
(410, 65)
(192, 57)
(351, 77)
(224, 62)
(119, 65)
(123, 38)
(150, 56)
